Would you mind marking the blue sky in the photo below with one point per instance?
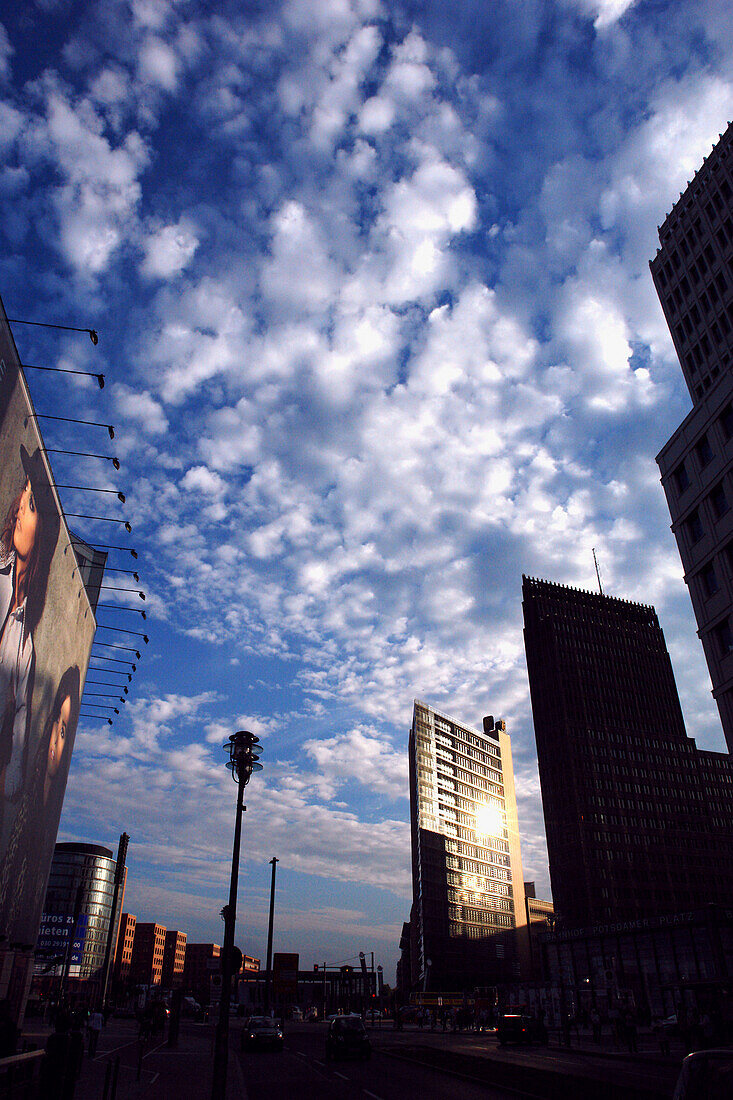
(371, 283)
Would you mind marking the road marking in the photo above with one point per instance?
(155, 1078)
(240, 1079)
(299, 1054)
(317, 1063)
(153, 1050)
(337, 1074)
(372, 1094)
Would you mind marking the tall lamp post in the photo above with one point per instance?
(244, 750)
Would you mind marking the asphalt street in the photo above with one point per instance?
(301, 1071)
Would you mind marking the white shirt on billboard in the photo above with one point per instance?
(16, 660)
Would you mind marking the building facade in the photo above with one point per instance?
(146, 964)
(540, 916)
(468, 924)
(627, 796)
(174, 958)
(693, 276)
(198, 969)
(123, 954)
(77, 911)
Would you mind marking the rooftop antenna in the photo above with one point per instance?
(598, 572)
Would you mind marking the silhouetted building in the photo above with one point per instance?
(146, 965)
(468, 922)
(198, 969)
(540, 918)
(174, 957)
(627, 796)
(693, 276)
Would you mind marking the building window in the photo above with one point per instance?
(681, 477)
(726, 421)
(724, 637)
(719, 500)
(704, 452)
(694, 526)
(709, 580)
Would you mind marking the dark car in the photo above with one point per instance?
(706, 1075)
(516, 1027)
(262, 1033)
(347, 1038)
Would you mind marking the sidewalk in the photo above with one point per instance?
(156, 1072)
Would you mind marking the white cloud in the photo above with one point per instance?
(140, 406)
(6, 52)
(169, 250)
(158, 64)
(604, 12)
(201, 479)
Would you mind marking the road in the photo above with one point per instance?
(300, 1072)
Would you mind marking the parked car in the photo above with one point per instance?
(516, 1027)
(706, 1075)
(347, 1038)
(262, 1033)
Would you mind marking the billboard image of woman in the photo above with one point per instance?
(33, 833)
(27, 543)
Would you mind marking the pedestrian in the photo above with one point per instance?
(55, 1063)
(8, 1030)
(595, 1023)
(629, 1026)
(75, 1057)
(567, 1023)
(93, 1029)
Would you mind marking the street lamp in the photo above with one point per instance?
(244, 750)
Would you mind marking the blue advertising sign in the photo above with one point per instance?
(56, 928)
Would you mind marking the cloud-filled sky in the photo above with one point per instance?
(371, 284)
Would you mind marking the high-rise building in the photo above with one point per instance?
(627, 796)
(468, 918)
(197, 969)
(77, 910)
(174, 957)
(123, 954)
(693, 276)
(540, 918)
(146, 965)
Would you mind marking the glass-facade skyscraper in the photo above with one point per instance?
(468, 924)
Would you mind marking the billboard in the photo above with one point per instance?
(55, 934)
(46, 632)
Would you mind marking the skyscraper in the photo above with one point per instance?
(627, 796)
(468, 922)
(693, 276)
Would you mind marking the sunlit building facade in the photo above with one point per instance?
(468, 920)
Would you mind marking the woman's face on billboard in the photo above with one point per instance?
(24, 536)
(57, 744)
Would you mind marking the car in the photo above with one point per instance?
(516, 1027)
(706, 1075)
(262, 1033)
(347, 1038)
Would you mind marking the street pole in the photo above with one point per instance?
(242, 762)
(268, 972)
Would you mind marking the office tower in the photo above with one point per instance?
(174, 957)
(146, 965)
(198, 970)
(468, 913)
(123, 954)
(540, 918)
(626, 794)
(693, 276)
(78, 909)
